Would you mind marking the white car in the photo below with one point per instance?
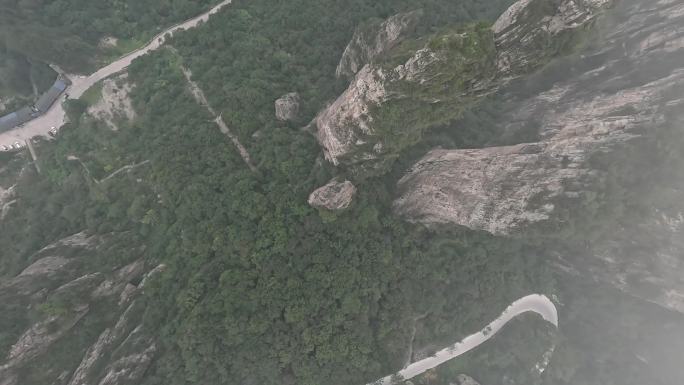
(17, 145)
(5, 148)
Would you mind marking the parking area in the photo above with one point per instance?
(40, 126)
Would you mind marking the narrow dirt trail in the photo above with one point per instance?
(122, 169)
(201, 99)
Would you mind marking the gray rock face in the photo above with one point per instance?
(372, 40)
(333, 196)
(9, 176)
(463, 379)
(387, 107)
(61, 293)
(621, 95)
(530, 24)
(502, 190)
(287, 107)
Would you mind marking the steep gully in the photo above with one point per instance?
(56, 115)
(535, 303)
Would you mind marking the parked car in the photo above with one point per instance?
(17, 145)
(4, 148)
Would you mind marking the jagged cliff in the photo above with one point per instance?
(79, 324)
(425, 82)
(373, 39)
(503, 189)
(115, 105)
(612, 116)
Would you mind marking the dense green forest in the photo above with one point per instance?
(69, 32)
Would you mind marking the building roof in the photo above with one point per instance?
(47, 99)
(60, 84)
(16, 118)
(43, 104)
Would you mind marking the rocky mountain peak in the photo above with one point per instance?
(287, 107)
(393, 100)
(373, 39)
(530, 24)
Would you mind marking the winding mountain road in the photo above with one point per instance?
(56, 116)
(535, 303)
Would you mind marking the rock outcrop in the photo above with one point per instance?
(287, 107)
(333, 196)
(463, 379)
(374, 38)
(343, 124)
(530, 24)
(115, 106)
(10, 174)
(387, 107)
(502, 190)
(391, 102)
(59, 291)
(617, 106)
(6, 200)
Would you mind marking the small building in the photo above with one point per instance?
(15, 119)
(50, 96)
(41, 106)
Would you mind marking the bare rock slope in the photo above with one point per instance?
(287, 107)
(371, 40)
(55, 294)
(503, 189)
(115, 105)
(423, 83)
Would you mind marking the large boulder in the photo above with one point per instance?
(372, 39)
(333, 196)
(287, 107)
(341, 126)
(463, 379)
(388, 105)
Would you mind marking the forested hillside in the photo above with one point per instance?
(69, 32)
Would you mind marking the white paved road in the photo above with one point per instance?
(535, 303)
(56, 117)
